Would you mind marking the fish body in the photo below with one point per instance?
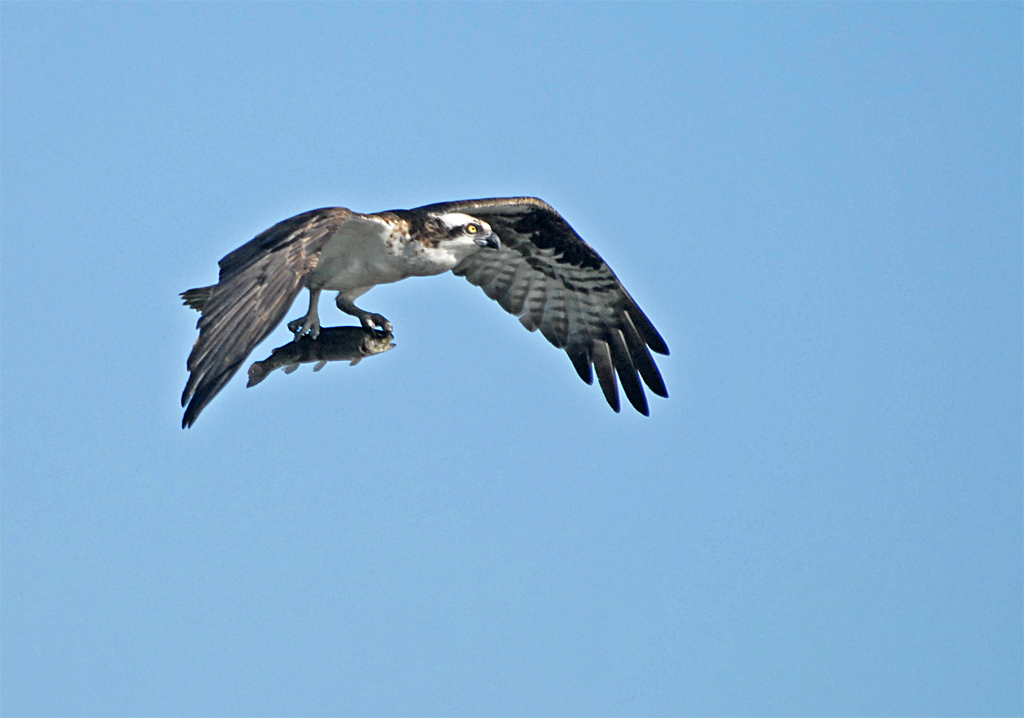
(350, 344)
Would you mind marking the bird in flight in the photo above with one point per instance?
(519, 250)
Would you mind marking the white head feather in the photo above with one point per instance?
(454, 220)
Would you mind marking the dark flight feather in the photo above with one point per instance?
(258, 283)
(550, 278)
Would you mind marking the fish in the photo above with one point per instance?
(352, 344)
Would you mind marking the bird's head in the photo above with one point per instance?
(464, 234)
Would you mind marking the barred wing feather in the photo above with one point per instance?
(552, 280)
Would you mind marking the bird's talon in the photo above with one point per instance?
(381, 322)
(303, 326)
(372, 321)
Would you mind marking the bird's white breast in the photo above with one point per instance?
(366, 251)
(361, 253)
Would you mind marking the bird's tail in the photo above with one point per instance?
(197, 298)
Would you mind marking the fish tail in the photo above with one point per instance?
(257, 373)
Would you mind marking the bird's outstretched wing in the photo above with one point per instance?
(551, 279)
(258, 283)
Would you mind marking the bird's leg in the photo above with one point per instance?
(309, 324)
(367, 319)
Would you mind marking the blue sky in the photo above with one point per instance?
(818, 205)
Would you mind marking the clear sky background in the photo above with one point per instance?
(818, 205)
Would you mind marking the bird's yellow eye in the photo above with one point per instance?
(472, 229)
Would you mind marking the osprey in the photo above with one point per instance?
(519, 250)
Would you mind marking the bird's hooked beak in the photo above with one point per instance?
(491, 240)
